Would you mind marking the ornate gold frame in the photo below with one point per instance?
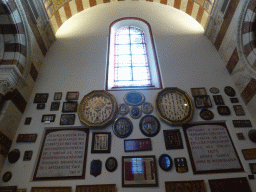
(85, 100)
(163, 117)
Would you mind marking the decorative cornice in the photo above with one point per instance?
(240, 45)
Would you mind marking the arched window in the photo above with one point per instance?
(132, 60)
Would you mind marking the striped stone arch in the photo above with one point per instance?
(247, 36)
(13, 37)
(59, 13)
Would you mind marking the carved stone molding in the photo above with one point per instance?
(9, 78)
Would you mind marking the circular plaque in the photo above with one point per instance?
(14, 156)
(111, 164)
(134, 98)
(122, 127)
(97, 109)
(165, 162)
(149, 126)
(214, 90)
(206, 114)
(123, 109)
(252, 135)
(147, 108)
(135, 112)
(7, 176)
(230, 91)
(174, 106)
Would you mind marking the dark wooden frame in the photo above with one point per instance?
(71, 116)
(239, 110)
(68, 98)
(40, 106)
(218, 99)
(206, 104)
(38, 97)
(28, 120)
(55, 105)
(94, 134)
(187, 126)
(48, 115)
(169, 145)
(136, 142)
(54, 129)
(63, 189)
(8, 189)
(138, 184)
(64, 107)
(219, 108)
(196, 91)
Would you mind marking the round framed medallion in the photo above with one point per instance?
(7, 176)
(13, 156)
(214, 90)
(123, 109)
(230, 91)
(122, 127)
(134, 98)
(97, 109)
(149, 125)
(206, 114)
(174, 106)
(165, 162)
(135, 112)
(147, 108)
(111, 164)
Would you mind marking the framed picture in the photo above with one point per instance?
(137, 145)
(105, 188)
(253, 167)
(242, 123)
(203, 101)
(70, 106)
(230, 184)
(214, 152)
(41, 97)
(51, 189)
(101, 142)
(139, 171)
(240, 136)
(223, 110)
(72, 95)
(8, 189)
(123, 109)
(198, 91)
(50, 118)
(21, 190)
(149, 125)
(40, 106)
(55, 106)
(249, 154)
(218, 100)
(239, 110)
(173, 139)
(57, 96)
(190, 186)
(27, 121)
(234, 100)
(67, 119)
(70, 146)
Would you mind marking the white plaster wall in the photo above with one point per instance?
(77, 62)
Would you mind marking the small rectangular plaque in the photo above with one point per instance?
(26, 138)
(173, 139)
(137, 145)
(249, 154)
(242, 123)
(96, 188)
(194, 186)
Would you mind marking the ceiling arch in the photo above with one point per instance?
(61, 10)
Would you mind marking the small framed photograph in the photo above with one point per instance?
(101, 142)
(41, 97)
(27, 121)
(50, 118)
(240, 136)
(57, 96)
(198, 91)
(203, 101)
(218, 100)
(72, 95)
(253, 167)
(40, 106)
(69, 106)
(239, 110)
(27, 155)
(234, 100)
(67, 119)
(8, 189)
(139, 171)
(137, 145)
(55, 106)
(173, 139)
(21, 190)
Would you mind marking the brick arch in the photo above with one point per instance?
(199, 10)
(12, 32)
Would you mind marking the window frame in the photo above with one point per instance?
(151, 52)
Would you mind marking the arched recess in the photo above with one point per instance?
(59, 12)
(15, 53)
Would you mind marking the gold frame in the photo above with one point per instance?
(163, 117)
(85, 100)
(51, 189)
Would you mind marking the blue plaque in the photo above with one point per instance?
(134, 98)
(96, 167)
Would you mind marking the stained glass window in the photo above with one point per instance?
(131, 66)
